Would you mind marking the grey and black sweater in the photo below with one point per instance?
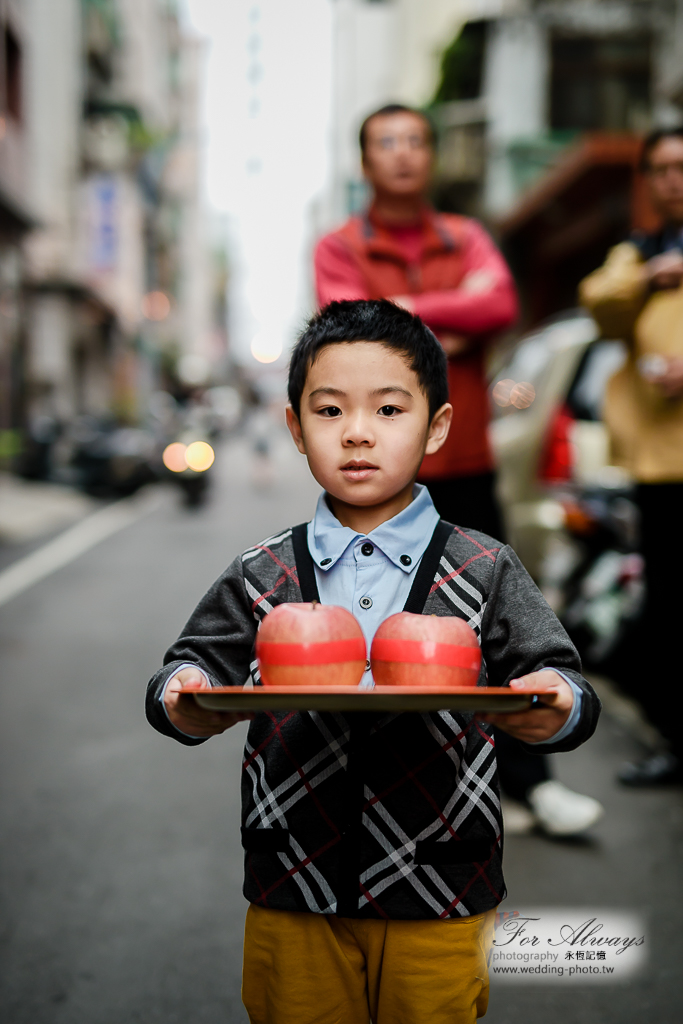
(368, 814)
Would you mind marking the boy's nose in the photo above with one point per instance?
(357, 433)
(358, 440)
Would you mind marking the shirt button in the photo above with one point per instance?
(367, 549)
(367, 665)
(326, 561)
(405, 560)
(365, 602)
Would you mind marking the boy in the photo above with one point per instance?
(373, 842)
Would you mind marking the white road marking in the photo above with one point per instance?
(74, 542)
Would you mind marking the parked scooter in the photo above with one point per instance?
(603, 590)
(183, 452)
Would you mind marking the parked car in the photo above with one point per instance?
(543, 446)
(109, 460)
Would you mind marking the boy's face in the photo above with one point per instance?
(364, 426)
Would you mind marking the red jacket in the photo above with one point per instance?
(460, 284)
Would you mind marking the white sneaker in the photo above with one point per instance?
(561, 812)
(518, 820)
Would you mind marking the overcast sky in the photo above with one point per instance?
(266, 116)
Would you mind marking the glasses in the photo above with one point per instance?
(389, 142)
(662, 170)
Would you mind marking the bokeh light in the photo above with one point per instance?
(174, 457)
(266, 349)
(522, 395)
(156, 306)
(193, 368)
(199, 456)
(501, 392)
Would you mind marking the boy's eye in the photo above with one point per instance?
(330, 411)
(389, 410)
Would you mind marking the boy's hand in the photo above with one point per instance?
(186, 714)
(537, 724)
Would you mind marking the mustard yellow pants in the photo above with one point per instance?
(321, 969)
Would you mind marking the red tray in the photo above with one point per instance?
(350, 698)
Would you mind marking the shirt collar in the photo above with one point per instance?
(407, 534)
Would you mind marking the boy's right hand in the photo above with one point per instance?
(185, 714)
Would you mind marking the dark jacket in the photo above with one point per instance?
(376, 815)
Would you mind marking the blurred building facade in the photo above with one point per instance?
(104, 265)
(566, 92)
(540, 105)
(15, 219)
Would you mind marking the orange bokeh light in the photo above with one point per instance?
(174, 457)
(501, 392)
(156, 306)
(522, 395)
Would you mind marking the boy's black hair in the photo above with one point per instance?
(387, 111)
(371, 320)
(653, 139)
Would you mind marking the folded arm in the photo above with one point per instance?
(483, 302)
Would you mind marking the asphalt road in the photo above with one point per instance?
(121, 865)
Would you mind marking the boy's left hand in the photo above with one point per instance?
(538, 724)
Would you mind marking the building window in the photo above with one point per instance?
(601, 84)
(12, 75)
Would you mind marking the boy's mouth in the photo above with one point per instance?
(358, 469)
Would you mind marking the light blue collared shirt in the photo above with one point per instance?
(371, 574)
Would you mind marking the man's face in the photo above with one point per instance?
(665, 178)
(398, 154)
(364, 423)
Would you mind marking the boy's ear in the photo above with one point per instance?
(294, 425)
(438, 428)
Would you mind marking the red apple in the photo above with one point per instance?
(310, 645)
(425, 650)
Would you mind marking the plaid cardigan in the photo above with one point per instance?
(369, 814)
